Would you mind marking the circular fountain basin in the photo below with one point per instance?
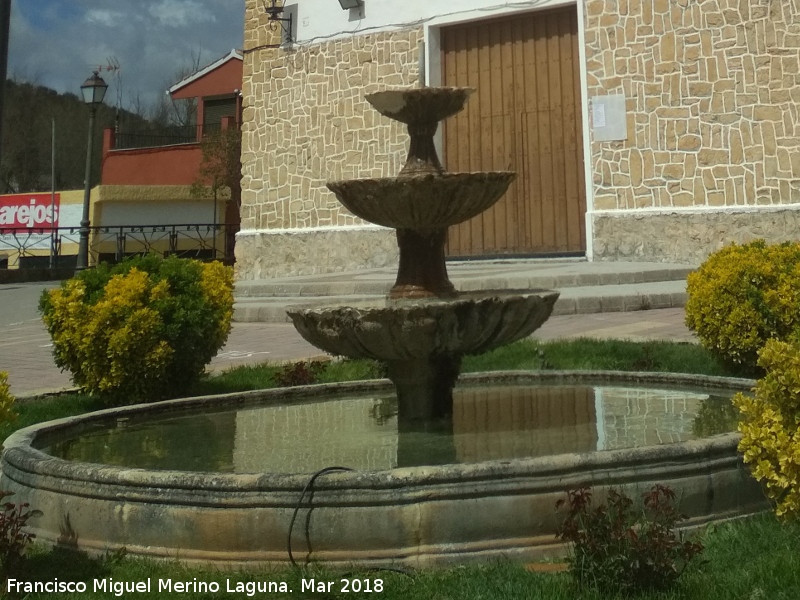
(425, 201)
(406, 329)
(497, 503)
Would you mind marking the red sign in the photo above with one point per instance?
(29, 210)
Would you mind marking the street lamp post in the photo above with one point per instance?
(93, 90)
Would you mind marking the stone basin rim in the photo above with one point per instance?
(407, 304)
(20, 453)
(421, 178)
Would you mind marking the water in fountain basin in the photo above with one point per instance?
(489, 423)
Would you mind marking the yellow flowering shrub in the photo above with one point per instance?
(744, 295)
(6, 400)
(217, 285)
(141, 330)
(770, 426)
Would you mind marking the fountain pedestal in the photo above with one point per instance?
(424, 389)
(422, 272)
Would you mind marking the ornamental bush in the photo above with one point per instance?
(617, 547)
(14, 534)
(744, 295)
(6, 400)
(141, 330)
(770, 426)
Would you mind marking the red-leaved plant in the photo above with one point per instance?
(619, 548)
(13, 536)
(299, 373)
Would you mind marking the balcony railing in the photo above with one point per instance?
(169, 136)
(58, 246)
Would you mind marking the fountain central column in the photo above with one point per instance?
(422, 272)
(422, 158)
(424, 388)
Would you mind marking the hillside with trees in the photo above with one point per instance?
(30, 110)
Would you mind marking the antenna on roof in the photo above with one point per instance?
(112, 66)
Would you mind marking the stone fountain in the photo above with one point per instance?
(424, 327)
(413, 510)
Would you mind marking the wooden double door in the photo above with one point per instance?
(526, 117)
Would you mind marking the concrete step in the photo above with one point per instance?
(576, 299)
(470, 276)
(586, 287)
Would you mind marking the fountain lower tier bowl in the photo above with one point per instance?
(415, 515)
(411, 329)
(422, 201)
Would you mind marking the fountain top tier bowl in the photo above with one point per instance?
(420, 105)
(421, 109)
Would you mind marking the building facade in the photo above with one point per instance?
(652, 130)
(153, 178)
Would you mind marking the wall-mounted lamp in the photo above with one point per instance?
(273, 11)
(347, 4)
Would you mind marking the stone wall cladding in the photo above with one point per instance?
(306, 121)
(261, 255)
(713, 113)
(712, 97)
(688, 236)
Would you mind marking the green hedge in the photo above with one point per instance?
(140, 330)
(743, 296)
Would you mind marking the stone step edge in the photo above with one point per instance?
(575, 301)
(290, 289)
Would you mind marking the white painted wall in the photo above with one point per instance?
(157, 213)
(318, 20)
(70, 215)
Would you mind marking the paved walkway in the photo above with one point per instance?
(25, 349)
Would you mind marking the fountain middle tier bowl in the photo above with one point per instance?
(470, 323)
(422, 201)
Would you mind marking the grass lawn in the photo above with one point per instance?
(756, 558)
(527, 354)
(750, 559)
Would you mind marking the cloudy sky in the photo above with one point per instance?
(58, 43)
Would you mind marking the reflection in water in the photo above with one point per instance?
(717, 414)
(489, 423)
(188, 443)
(635, 417)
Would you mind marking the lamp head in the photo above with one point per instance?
(94, 90)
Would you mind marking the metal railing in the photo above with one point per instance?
(154, 139)
(169, 136)
(58, 246)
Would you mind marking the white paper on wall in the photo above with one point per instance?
(609, 119)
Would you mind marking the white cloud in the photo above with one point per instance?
(180, 13)
(109, 18)
(59, 42)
